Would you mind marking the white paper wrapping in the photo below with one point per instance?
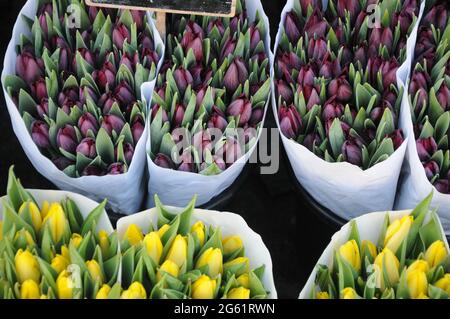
(369, 227)
(229, 223)
(346, 189)
(124, 192)
(177, 188)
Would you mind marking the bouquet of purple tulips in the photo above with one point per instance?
(78, 85)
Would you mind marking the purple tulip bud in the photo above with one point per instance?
(149, 57)
(27, 67)
(164, 161)
(155, 110)
(87, 148)
(202, 141)
(46, 8)
(69, 98)
(62, 162)
(106, 76)
(240, 107)
(290, 60)
(311, 140)
(442, 186)
(425, 42)
(228, 48)
(128, 152)
(230, 151)
(350, 6)
(92, 170)
(387, 38)
(193, 30)
(313, 99)
(397, 138)
(197, 47)
(216, 23)
(352, 153)
(257, 116)
(317, 49)
(178, 115)
(443, 96)
(39, 133)
(316, 26)
(431, 169)
(42, 108)
(138, 18)
(43, 24)
(116, 169)
(236, 74)
(284, 90)
(306, 78)
(374, 42)
(290, 121)
(124, 94)
(137, 129)
(426, 147)
(291, 27)
(255, 37)
(87, 55)
(218, 161)
(183, 79)
(237, 22)
(120, 35)
(332, 110)
(361, 55)
(341, 89)
(106, 102)
(217, 119)
(39, 89)
(67, 139)
(389, 72)
(437, 16)
(87, 122)
(90, 93)
(112, 123)
(187, 162)
(93, 12)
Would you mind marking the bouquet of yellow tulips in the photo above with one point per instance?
(52, 250)
(410, 260)
(177, 258)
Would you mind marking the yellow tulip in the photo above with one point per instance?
(163, 230)
(417, 283)
(103, 292)
(56, 221)
(44, 210)
(27, 266)
(238, 261)
(239, 293)
(243, 280)
(23, 239)
(444, 283)
(204, 288)
(198, 229)
(95, 271)
(134, 235)
(76, 239)
(231, 244)
(43, 297)
(423, 296)
(349, 293)
(135, 291)
(65, 252)
(350, 252)
(436, 253)
(59, 263)
(370, 247)
(397, 232)
(390, 261)
(29, 290)
(35, 214)
(153, 246)
(168, 267)
(420, 265)
(322, 295)
(178, 251)
(64, 285)
(212, 257)
(103, 241)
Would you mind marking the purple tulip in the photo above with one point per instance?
(42, 108)
(149, 57)
(350, 6)
(93, 171)
(163, 161)
(397, 138)
(431, 169)
(230, 151)
(236, 74)
(314, 99)
(290, 121)
(87, 148)
(46, 8)
(216, 23)
(116, 169)
(332, 110)
(442, 186)
(443, 96)
(183, 79)
(228, 48)
(202, 141)
(62, 162)
(124, 94)
(87, 122)
(291, 26)
(389, 72)
(112, 123)
(40, 135)
(284, 90)
(426, 147)
(128, 152)
(155, 110)
(437, 16)
(257, 116)
(240, 107)
(27, 67)
(352, 153)
(120, 34)
(196, 45)
(67, 139)
(138, 18)
(193, 30)
(313, 3)
(178, 115)
(316, 26)
(317, 49)
(106, 102)
(311, 140)
(137, 129)
(106, 76)
(87, 55)
(69, 98)
(217, 119)
(340, 88)
(90, 93)
(187, 162)
(39, 90)
(255, 37)
(216, 160)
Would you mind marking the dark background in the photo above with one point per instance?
(271, 204)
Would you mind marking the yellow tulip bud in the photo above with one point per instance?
(238, 261)
(436, 253)
(168, 267)
(65, 252)
(368, 245)
(76, 239)
(349, 293)
(135, 291)
(64, 285)
(423, 296)
(212, 257)
(45, 209)
(178, 251)
(163, 230)
(204, 288)
(444, 283)
(243, 280)
(198, 229)
(43, 297)
(239, 293)
(103, 292)
(56, 221)
(27, 266)
(417, 283)
(59, 263)
(350, 252)
(35, 214)
(29, 290)
(95, 271)
(153, 246)
(322, 295)
(420, 265)
(390, 261)
(231, 244)
(134, 235)
(397, 232)
(103, 241)
(23, 239)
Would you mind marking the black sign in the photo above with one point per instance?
(198, 7)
